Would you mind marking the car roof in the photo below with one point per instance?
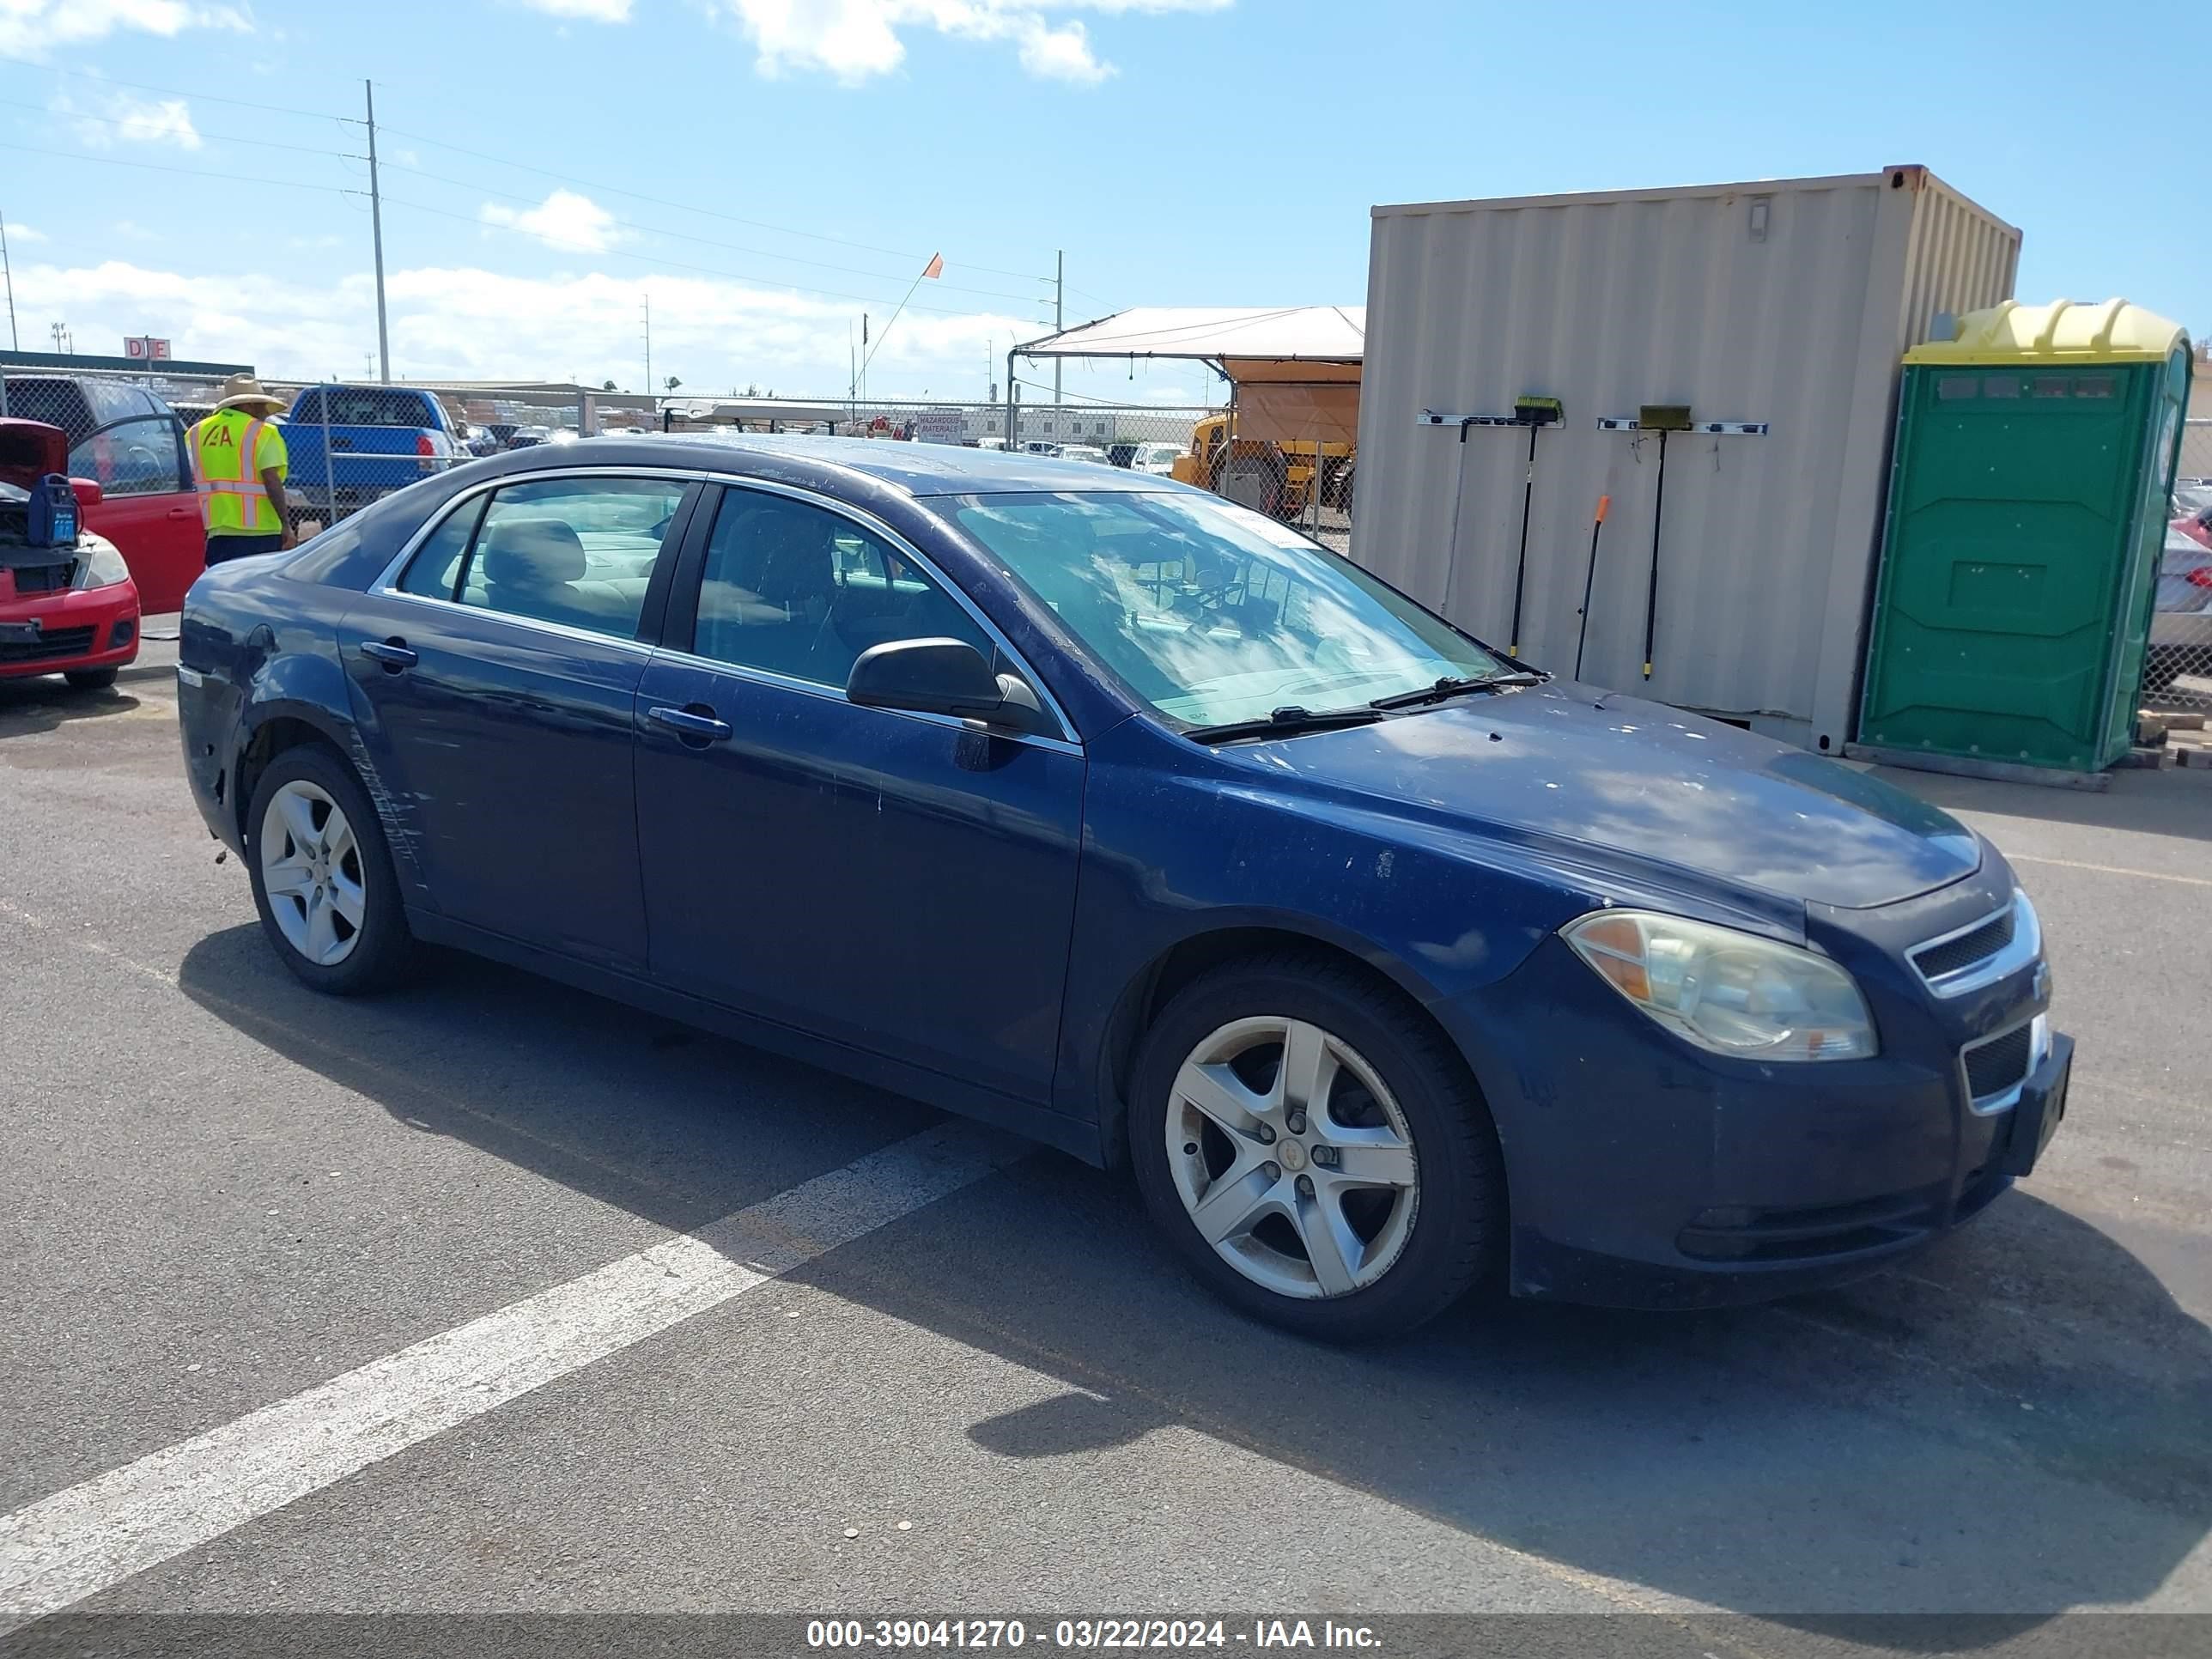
(916, 469)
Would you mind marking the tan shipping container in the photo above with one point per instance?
(1786, 302)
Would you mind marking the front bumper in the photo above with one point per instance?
(1644, 1172)
(96, 628)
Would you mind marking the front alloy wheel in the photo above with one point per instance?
(1293, 1158)
(1313, 1143)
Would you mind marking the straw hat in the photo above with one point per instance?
(244, 391)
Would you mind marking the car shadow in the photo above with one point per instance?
(2008, 1426)
(48, 701)
(2169, 801)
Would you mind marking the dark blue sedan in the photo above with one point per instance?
(1098, 807)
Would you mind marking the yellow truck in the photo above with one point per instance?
(1275, 479)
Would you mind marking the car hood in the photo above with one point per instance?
(1621, 781)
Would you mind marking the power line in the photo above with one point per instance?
(172, 92)
(653, 259)
(684, 236)
(686, 207)
(164, 167)
(211, 137)
(498, 161)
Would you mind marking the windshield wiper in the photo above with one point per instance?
(1284, 722)
(1449, 686)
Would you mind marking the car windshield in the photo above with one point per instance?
(1209, 611)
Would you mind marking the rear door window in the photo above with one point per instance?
(434, 572)
(580, 552)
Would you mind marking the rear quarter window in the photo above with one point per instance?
(353, 551)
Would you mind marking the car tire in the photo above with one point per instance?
(89, 679)
(1432, 1244)
(367, 952)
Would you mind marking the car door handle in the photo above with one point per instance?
(393, 653)
(184, 512)
(697, 724)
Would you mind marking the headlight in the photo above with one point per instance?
(1733, 993)
(99, 566)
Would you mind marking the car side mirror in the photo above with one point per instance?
(942, 677)
(87, 491)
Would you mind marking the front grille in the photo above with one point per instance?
(44, 578)
(1996, 1065)
(54, 643)
(1934, 961)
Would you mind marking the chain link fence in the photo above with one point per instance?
(122, 433)
(1309, 483)
(2178, 670)
(359, 443)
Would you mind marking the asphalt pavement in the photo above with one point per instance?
(488, 1296)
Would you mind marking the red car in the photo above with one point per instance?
(71, 610)
(131, 444)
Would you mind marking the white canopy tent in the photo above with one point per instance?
(1293, 370)
(1217, 334)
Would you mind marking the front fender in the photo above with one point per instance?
(1173, 854)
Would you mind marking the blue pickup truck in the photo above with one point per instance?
(352, 443)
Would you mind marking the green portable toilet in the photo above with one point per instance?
(2035, 456)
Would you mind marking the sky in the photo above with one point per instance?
(763, 172)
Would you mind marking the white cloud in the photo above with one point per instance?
(18, 233)
(855, 41)
(469, 324)
(120, 119)
(564, 219)
(591, 11)
(30, 28)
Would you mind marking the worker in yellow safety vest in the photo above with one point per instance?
(240, 466)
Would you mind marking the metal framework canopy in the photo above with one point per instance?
(1294, 369)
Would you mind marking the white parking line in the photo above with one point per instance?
(78, 1543)
(2113, 870)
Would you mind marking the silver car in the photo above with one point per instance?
(2181, 626)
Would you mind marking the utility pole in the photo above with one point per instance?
(648, 345)
(60, 332)
(1059, 312)
(9, 271)
(376, 231)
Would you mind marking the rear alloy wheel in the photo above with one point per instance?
(322, 879)
(1316, 1148)
(311, 870)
